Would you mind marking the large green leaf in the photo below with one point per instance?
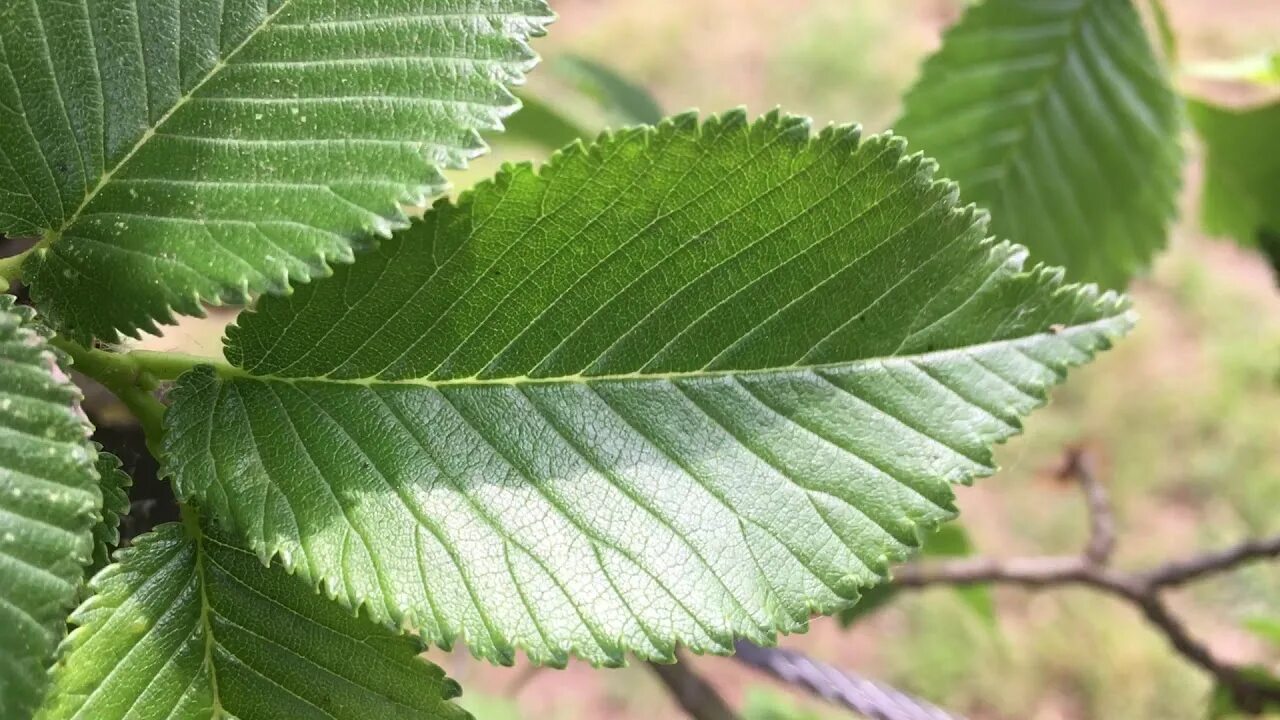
(48, 504)
(170, 152)
(1058, 118)
(1241, 195)
(188, 627)
(685, 384)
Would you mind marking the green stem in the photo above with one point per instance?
(132, 378)
(169, 365)
(11, 267)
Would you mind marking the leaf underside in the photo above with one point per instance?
(171, 152)
(684, 384)
(1058, 118)
(48, 504)
(197, 629)
(1241, 195)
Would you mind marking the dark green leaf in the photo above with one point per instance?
(1241, 196)
(169, 153)
(539, 123)
(1057, 117)
(48, 504)
(620, 97)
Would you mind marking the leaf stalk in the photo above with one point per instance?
(128, 379)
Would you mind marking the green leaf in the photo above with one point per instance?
(186, 626)
(546, 124)
(685, 384)
(1241, 196)
(1058, 118)
(112, 482)
(619, 96)
(48, 503)
(540, 123)
(171, 153)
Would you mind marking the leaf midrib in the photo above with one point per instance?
(52, 235)
(1123, 317)
(191, 526)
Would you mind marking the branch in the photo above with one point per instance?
(863, 696)
(1141, 589)
(694, 694)
(1184, 571)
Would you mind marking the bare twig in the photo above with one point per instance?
(694, 694)
(866, 697)
(1185, 571)
(1102, 522)
(1089, 569)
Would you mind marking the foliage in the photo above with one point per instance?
(1059, 119)
(49, 502)
(240, 640)
(211, 150)
(693, 382)
(1241, 171)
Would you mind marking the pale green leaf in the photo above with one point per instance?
(188, 627)
(1057, 117)
(685, 384)
(48, 504)
(171, 152)
(113, 483)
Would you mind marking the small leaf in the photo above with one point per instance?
(1241, 195)
(113, 483)
(191, 628)
(685, 384)
(49, 501)
(169, 153)
(1058, 118)
(540, 123)
(619, 96)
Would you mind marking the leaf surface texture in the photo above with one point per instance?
(170, 152)
(48, 504)
(188, 627)
(685, 384)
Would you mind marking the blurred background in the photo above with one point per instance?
(1183, 416)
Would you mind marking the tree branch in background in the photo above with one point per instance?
(1091, 569)
(865, 697)
(699, 700)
